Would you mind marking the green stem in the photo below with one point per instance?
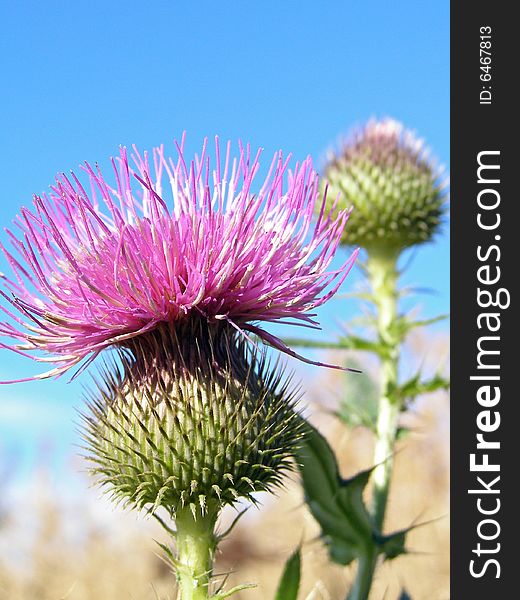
(383, 458)
(195, 550)
(383, 275)
(365, 572)
(382, 270)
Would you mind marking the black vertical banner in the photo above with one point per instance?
(485, 261)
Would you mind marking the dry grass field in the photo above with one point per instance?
(56, 546)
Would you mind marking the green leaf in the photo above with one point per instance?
(413, 387)
(223, 535)
(393, 545)
(402, 433)
(290, 581)
(403, 324)
(306, 343)
(237, 588)
(168, 557)
(367, 296)
(354, 342)
(337, 505)
(350, 342)
(426, 322)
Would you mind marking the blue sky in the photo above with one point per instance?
(81, 78)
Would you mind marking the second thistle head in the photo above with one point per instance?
(384, 171)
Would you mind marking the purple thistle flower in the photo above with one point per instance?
(86, 278)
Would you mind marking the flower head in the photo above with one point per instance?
(93, 270)
(384, 171)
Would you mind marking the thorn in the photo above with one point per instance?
(217, 491)
(202, 503)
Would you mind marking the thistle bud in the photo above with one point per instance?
(385, 173)
(192, 417)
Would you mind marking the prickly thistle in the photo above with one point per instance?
(189, 413)
(384, 171)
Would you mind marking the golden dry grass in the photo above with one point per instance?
(68, 554)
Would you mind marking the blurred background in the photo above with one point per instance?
(80, 79)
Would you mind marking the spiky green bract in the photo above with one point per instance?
(397, 192)
(193, 416)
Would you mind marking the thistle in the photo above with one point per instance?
(398, 196)
(189, 415)
(385, 172)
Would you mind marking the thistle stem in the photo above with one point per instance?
(365, 572)
(383, 275)
(195, 550)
